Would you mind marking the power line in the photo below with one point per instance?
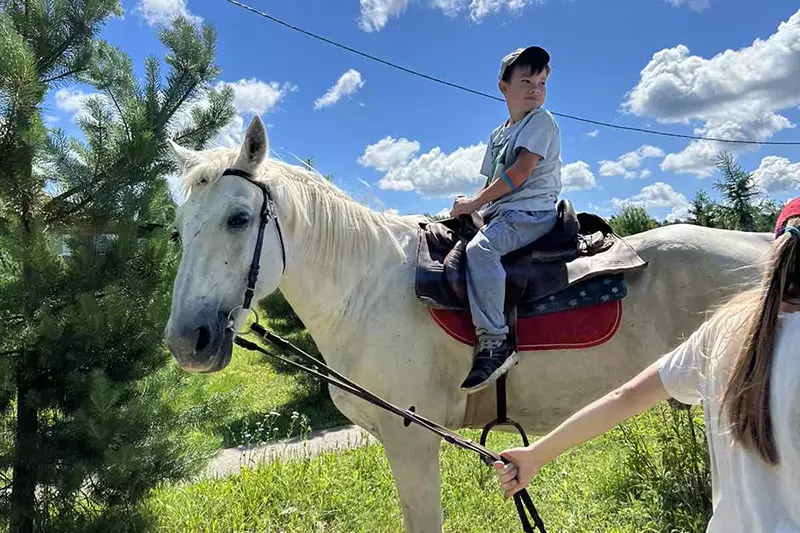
(492, 97)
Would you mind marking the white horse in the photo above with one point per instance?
(349, 275)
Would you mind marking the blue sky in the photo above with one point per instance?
(394, 141)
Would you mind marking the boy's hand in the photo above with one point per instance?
(463, 205)
(516, 475)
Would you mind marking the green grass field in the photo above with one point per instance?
(586, 490)
(646, 476)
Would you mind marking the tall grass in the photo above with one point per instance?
(649, 475)
(668, 468)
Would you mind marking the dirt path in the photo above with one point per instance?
(231, 460)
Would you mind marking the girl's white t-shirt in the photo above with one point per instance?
(748, 494)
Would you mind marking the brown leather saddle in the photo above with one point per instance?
(580, 246)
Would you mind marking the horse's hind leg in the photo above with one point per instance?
(413, 455)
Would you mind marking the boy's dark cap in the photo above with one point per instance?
(537, 53)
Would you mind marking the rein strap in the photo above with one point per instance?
(521, 499)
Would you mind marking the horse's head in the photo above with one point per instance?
(218, 225)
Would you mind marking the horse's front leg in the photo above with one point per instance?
(413, 455)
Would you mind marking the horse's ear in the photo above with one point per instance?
(183, 156)
(254, 148)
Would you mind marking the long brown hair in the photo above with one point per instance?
(746, 399)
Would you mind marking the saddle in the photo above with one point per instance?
(581, 246)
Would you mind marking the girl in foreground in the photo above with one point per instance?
(744, 365)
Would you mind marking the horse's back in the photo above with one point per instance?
(716, 244)
(693, 269)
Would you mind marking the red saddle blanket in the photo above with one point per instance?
(572, 329)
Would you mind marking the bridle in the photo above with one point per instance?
(268, 212)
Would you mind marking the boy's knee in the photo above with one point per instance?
(479, 246)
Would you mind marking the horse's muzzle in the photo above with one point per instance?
(203, 344)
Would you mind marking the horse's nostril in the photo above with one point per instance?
(203, 336)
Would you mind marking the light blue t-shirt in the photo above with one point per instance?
(538, 133)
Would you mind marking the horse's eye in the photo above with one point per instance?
(174, 236)
(239, 220)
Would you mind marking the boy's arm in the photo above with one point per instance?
(516, 174)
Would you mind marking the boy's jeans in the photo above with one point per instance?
(486, 278)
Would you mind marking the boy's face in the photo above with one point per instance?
(524, 91)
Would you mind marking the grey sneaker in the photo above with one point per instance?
(493, 359)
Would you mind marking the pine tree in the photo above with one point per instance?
(632, 219)
(739, 210)
(703, 211)
(83, 384)
(767, 213)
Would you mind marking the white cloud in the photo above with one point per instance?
(479, 9)
(436, 173)
(70, 100)
(577, 176)
(73, 101)
(777, 175)
(697, 158)
(695, 5)
(349, 83)
(376, 13)
(645, 174)
(645, 151)
(593, 134)
(392, 211)
(250, 97)
(658, 196)
(627, 163)
(256, 97)
(735, 94)
(161, 12)
(613, 168)
(388, 152)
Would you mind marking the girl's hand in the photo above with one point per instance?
(516, 475)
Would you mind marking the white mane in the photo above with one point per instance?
(336, 228)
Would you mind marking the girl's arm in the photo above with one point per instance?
(636, 396)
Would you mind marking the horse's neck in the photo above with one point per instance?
(334, 292)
